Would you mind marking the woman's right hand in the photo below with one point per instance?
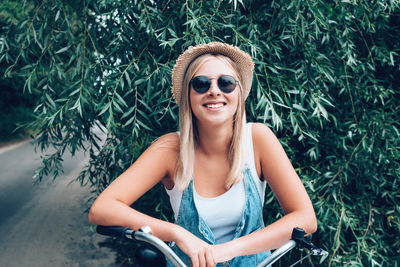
(199, 252)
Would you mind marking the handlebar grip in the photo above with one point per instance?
(303, 241)
(115, 231)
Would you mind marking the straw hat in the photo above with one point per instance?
(241, 58)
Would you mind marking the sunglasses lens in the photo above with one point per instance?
(226, 83)
(201, 84)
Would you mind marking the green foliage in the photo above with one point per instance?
(15, 107)
(12, 12)
(326, 81)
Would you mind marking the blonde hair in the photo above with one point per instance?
(189, 135)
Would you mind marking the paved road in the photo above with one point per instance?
(45, 224)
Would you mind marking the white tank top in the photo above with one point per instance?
(222, 213)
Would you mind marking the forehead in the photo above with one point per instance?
(215, 67)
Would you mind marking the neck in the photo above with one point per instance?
(214, 140)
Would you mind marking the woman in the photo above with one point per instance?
(215, 169)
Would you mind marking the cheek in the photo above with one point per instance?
(192, 99)
(235, 100)
(192, 103)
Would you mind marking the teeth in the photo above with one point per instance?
(215, 105)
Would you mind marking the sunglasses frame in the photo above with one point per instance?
(210, 79)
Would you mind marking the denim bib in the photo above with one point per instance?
(251, 221)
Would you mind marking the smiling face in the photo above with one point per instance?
(214, 107)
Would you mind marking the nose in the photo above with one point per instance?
(214, 89)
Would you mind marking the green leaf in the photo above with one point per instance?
(296, 106)
(63, 49)
(105, 108)
(121, 100)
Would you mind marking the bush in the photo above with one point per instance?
(326, 83)
(15, 107)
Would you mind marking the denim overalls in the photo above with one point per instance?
(251, 221)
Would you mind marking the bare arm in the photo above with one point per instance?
(156, 164)
(112, 207)
(289, 191)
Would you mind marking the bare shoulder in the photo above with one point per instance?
(266, 144)
(163, 153)
(165, 150)
(261, 133)
(168, 143)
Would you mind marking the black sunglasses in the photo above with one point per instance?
(202, 84)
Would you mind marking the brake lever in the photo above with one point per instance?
(303, 241)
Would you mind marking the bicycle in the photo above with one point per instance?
(150, 257)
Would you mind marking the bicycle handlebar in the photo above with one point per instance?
(298, 240)
(114, 231)
(144, 234)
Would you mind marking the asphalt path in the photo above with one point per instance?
(45, 224)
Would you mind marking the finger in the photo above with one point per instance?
(210, 259)
(195, 260)
(202, 258)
